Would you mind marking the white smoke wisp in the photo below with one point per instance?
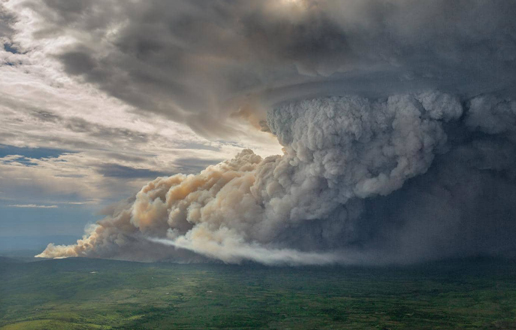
(234, 251)
(313, 204)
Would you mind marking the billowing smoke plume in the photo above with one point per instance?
(362, 180)
(396, 116)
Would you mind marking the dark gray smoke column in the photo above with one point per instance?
(461, 201)
(397, 120)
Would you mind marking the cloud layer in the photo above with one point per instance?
(204, 62)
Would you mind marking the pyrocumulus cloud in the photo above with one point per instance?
(397, 121)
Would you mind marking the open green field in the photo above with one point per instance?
(101, 294)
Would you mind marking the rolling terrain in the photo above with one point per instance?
(105, 294)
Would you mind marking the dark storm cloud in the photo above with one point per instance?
(199, 61)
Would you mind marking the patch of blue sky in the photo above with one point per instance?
(34, 153)
(9, 48)
(19, 159)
